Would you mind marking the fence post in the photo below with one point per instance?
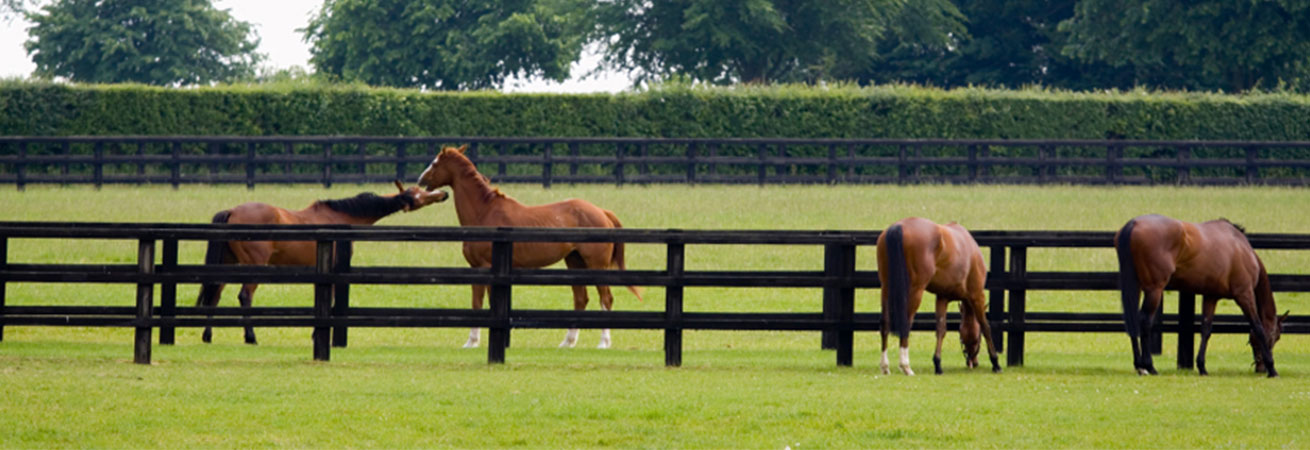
(673, 305)
(501, 167)
(1186, 328)
(145, 266)
(643, 151)
(250, 165)
(323, 302)
(712, 168)
(902, 167)
(1018, 306)
(168, 293)
(618, 163)
(1112, 164)
(1042, 169)
(4, 263)
(691, 163)
(363, 161)
(288, 151)
(843, 275)
(996, 296)
(211, 152)
(175, 168)
(984, 153)
(64, 168)
(547, 166)
(763, 168)
(573, 161)
(327, 164)
(400, 161)
(973, 163)
(20, 167)
(1184, 165)
(98, 167)
(502, 258)
(1252, 171)
(341, 297)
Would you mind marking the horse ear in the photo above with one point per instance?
(462, 148)
(399, 186)
(1285, 314)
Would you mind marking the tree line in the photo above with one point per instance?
(1207, 45)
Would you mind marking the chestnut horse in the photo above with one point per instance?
(1212, 259)
(363, 209)
(477, 203)
(915, 255)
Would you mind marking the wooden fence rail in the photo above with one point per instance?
(332, 315)
(327, 160)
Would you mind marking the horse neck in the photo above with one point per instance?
(322, 214)
(474, 196)
(1264, 298)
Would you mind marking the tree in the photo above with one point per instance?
(162, 42)
(11, 8)
(729, 41)
(445, 44)
(1202, 44)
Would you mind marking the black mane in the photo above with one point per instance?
(1239, 227)
(369, 204)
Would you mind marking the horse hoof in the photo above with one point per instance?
(471, 344)
(886, 370)
(908, 371)
(996, 369)
(1272, 374)
(603, 345)
(251, 341)
(1141, 371)
(567, 344)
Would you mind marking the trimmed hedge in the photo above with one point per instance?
(39, 108)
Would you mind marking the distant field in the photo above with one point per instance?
(75, 387)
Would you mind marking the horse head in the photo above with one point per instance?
(441, 172)
(418, 197)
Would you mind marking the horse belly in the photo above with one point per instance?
(540, 254)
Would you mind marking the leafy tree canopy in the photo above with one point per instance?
(161, 42)
(1202, 44)
(728, 41)
(445, 44)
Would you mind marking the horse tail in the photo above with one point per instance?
(1129, 288)
(218, 252)
(898, 282)
(617, 256)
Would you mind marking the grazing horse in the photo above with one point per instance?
(1213, 259)
(477, 203)
(363, 209)
(915, 255)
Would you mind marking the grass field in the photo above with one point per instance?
(76, 387)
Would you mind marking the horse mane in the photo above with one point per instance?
(470, 171)
(368, 204)
(1239, 227)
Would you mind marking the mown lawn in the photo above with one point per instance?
(76, 387)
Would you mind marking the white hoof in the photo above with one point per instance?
(472, 343)
(568, 343)
(603, 345)
(907, 370)
(886, 370)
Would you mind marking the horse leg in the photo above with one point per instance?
(580, 301)
(475, 333)
(606, 304)
(979, 311)
(1259, 338)
(1150, 307)
(941, 335)
(1207, 324)
(209, 296)
(916, 297)
(247, 298)
(882, 331)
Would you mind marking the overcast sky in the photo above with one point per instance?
(276, 22)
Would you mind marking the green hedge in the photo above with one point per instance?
(38, 108)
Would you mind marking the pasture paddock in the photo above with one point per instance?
(65, 387)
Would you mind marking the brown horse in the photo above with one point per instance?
(915, 255)
(363, 209)
(1213, 259)
(477, 203)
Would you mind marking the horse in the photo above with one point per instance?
(1212, 259)
(915, 255)
(478, 203)
(363, 209)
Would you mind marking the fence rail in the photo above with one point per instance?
(327, 160)
(331, 314)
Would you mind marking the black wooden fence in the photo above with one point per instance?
(327, 160)
(331, 315)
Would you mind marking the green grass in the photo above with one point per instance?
(76, 387)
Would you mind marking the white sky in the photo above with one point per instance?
(276, 22)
